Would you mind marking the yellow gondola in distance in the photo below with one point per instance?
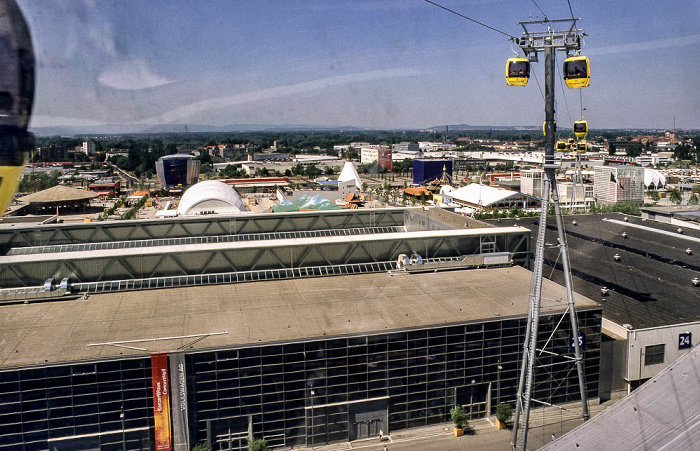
(572, 142)
(544, 127)
(517, 71)
(580, 129)
(581, 147)
(562, 146)
(577, 71)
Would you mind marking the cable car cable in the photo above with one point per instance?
(572, 12)
(469, 18)
(538, 7)
(538, 85)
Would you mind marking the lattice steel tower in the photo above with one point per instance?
(532, 43)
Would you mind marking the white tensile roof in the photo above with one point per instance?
(350, 173)
(652, 175)
(483, 195)
(210, 195)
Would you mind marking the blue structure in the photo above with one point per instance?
(428, 170)
(174, 170)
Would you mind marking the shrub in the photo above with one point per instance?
(458, 417)
(257, 444)
(504, 412)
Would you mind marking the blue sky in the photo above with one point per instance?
(367, 63)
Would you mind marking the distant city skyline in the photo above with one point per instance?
(377, 64)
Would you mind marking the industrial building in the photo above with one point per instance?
(642, 273)
(297, 327)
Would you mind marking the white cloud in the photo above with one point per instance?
(645, 46)
(131, 75)
(280, 91)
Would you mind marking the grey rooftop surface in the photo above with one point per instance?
(263, 312)
(662, 414)
(651, 284)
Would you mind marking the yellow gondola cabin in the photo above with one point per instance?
(517, 71)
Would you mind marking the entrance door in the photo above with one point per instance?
(473, 399)
(228, 434)
(367, 419)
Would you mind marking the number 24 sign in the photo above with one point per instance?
(685, 340)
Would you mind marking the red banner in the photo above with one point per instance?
(161, 400)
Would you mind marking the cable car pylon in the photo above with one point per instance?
(547, 42)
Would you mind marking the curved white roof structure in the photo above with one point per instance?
(210, 196)
(446, 189)
(484, 195)
(350, 173)
(655, 177)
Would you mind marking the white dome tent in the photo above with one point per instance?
(210, 196)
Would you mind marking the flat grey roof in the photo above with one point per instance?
(268, 311)
(649, 287)
(671, 209)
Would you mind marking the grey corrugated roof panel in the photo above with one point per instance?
(662, 414)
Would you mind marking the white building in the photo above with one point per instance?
(618, 184)
(652, 159)
(575, 195)
(531, 182)
(368, 154)
(428, 146)
(89, 147)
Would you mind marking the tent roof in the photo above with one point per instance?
(477, 194)
(59, 193)
(350, 173)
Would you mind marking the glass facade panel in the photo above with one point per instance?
(418, 374)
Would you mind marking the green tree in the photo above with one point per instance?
(693, 199)
(298, 169)
(611, 148)
(654, 195)
(675, 196)
(683, 152)
(312, 171)
(634, 150)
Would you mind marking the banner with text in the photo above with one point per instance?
(161, 400)
(178, 395)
